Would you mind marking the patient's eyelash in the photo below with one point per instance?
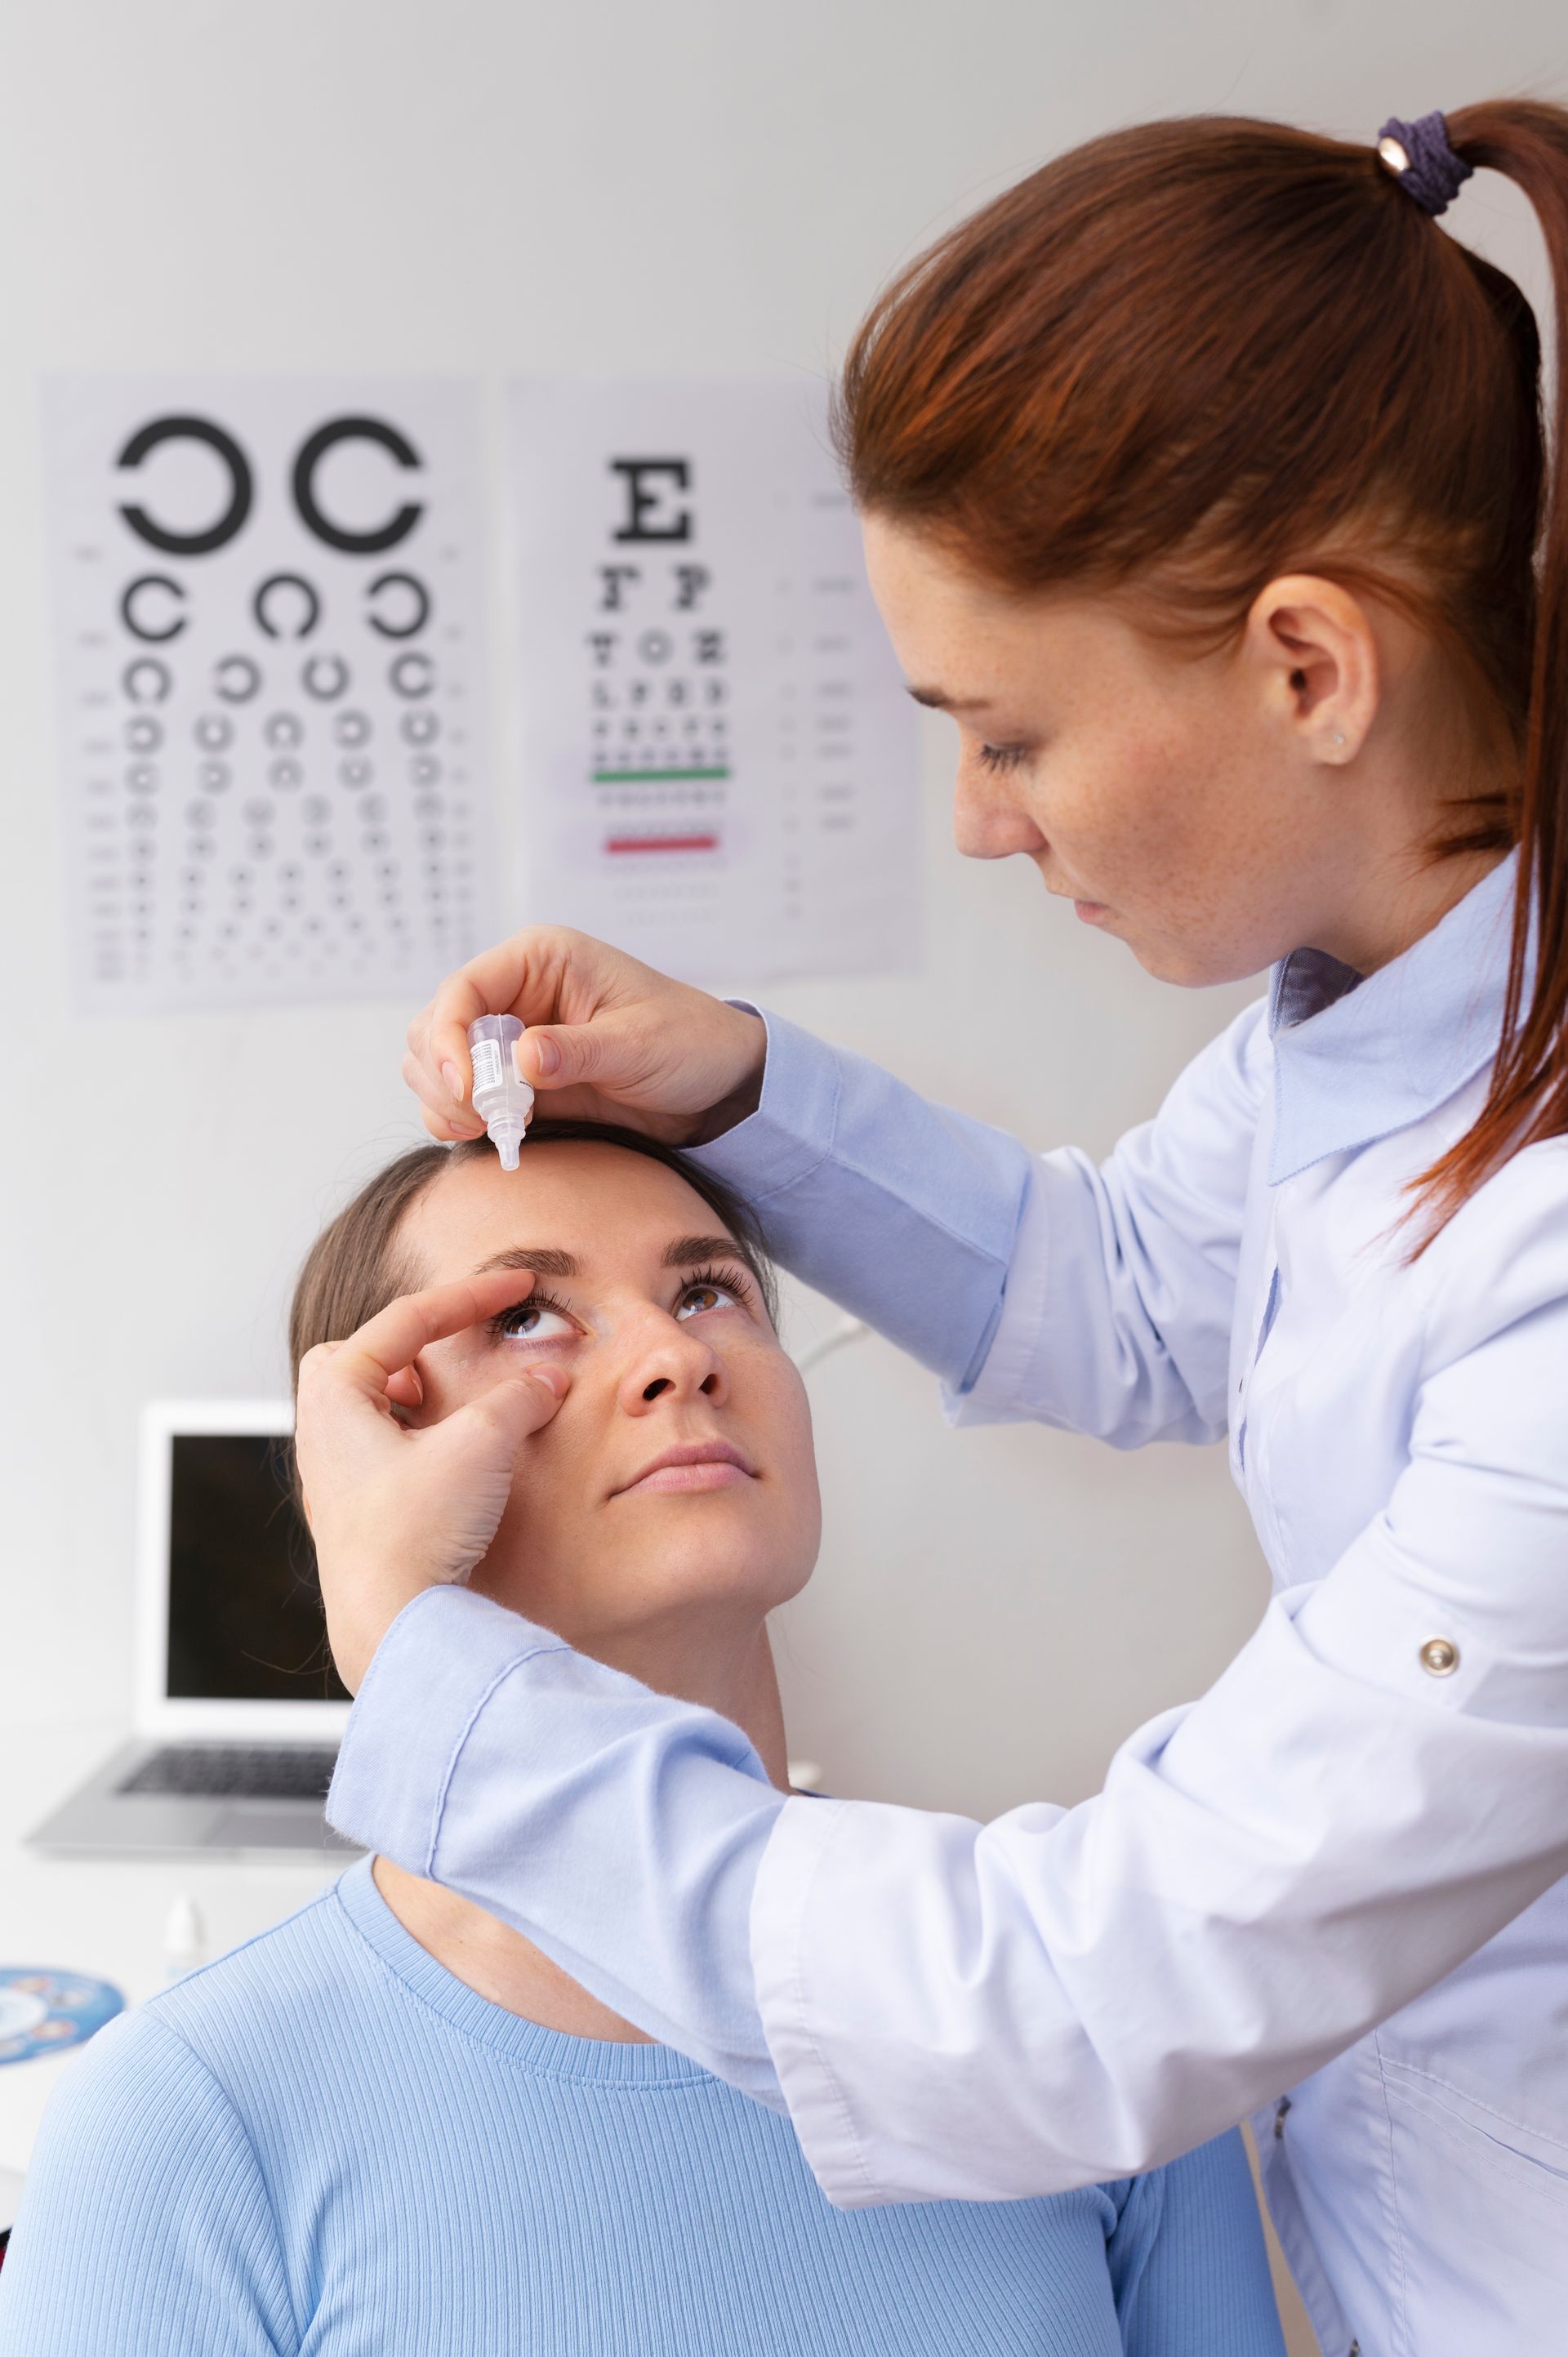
(534, 1300)
(726, 1280)
(729, 1280)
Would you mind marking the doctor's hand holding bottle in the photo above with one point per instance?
(607, 1039)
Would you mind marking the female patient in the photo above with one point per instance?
(390, 2125)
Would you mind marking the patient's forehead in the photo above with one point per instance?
(610, 1208)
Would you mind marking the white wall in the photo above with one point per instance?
(494, 186)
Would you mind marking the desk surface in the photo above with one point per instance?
(107, 1916)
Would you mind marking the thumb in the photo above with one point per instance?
(475, 1447)
(513, 1410)
(477, 1443)
(609, 1051)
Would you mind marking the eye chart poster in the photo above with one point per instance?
(268, 612)
(718, 755)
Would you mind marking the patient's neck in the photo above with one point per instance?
(735, 1678)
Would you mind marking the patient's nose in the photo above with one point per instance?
(671, 1361)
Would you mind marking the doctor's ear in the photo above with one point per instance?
(1317, 645)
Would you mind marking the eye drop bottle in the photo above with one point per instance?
(503, 1103)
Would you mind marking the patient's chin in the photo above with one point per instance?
(686, 1568)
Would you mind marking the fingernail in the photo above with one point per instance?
(552, 1378)
(546, 1055)
(453, 1080)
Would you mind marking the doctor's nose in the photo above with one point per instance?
(671, 1363)
(988, 821)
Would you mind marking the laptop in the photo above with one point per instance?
(238, 1709)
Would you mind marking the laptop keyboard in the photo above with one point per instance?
(237, 1771)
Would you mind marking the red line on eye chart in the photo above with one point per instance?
(621, 843)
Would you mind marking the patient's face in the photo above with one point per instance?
(671, 1355)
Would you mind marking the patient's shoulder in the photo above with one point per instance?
(145, 2204)
(137, 2122)
(137, 2083)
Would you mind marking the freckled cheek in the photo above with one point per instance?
(1144, 802)
(1091, 812)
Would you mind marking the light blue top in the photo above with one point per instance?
(325, 2144)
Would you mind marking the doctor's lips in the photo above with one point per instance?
(690, 1466)
(1091, 912)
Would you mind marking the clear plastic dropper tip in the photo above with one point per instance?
(506, 1141)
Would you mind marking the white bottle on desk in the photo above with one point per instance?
(185, 1939)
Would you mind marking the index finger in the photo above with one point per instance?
(395, 1336)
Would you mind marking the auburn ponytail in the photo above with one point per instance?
(1199, 354)
(1529, 1096)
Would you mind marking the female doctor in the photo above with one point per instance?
(1203, 482)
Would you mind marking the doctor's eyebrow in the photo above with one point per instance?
(936, 699)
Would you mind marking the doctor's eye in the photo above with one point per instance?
(537, 1319)
(715, 1288)
(1002, 757)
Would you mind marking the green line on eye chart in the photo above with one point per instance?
(650, 777)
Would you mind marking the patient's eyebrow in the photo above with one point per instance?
(548, 1260)
(544, 1260)
(689, 1251)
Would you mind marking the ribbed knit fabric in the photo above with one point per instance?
(324, 2144)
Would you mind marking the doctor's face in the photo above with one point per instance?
(1174, 800)
(677, 1478)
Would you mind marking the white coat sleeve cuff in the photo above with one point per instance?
(428, 1680)
(802, 1835)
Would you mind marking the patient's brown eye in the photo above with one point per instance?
(537, 1319)
(721, 1289)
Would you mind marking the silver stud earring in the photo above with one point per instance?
(1338, 737)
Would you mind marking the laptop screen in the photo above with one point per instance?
(244, 1612)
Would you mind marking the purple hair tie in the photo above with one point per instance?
(1422, 161)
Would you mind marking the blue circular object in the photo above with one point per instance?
(40, 2012)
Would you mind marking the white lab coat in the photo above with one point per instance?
(955, 2010)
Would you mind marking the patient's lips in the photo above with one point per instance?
(691, 1465)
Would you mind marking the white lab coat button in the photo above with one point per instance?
(1440, 1657)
